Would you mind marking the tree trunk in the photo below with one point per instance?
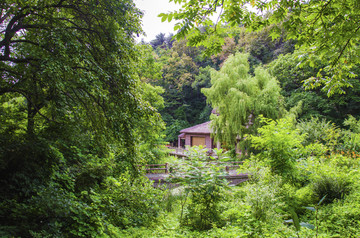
(31, 112)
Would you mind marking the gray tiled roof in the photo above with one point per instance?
(203, 128)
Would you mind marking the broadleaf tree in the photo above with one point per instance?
(71, 60)
(322, 28)
(73, 112)
(315, 101)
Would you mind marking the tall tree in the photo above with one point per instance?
(70, 59)
(314, 101)
(159, 41)
(149, 128)
(72, 110)
(185, 105)
(240, 98)
(321, 28)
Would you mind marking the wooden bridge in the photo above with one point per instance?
(160, 172)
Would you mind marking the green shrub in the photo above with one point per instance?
(202, 211)
(334, 187)
(341, 218)
(169, 200)
(304, 196)
(331, 176)
(319, 131)
(280, 145)
(260, 198)
(203, 188)
(314, 149)
(127, 201)
(351, 142)
(353, 124)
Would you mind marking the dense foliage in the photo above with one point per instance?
(74, 119)
(298, 187)
(315, 102)
(203, 186)
(240, 98)
(82, 106)
(326, 29)
(186, 70)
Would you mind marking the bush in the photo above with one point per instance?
(351, 143)
(203, 189)
(304, 196)
(280, 143)
(263, 200)
(261, 196)
(86, 200)
(331, 176)
(330, 186)
(128, 201)
(202, 211)
(319, 131)
(341, 219)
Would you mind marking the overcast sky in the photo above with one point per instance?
(152, 24)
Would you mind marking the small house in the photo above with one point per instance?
(197, 135)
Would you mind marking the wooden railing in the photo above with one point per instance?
(151, 168)
(154, 168)
(235, 164)
(177, 149)
(178, 152)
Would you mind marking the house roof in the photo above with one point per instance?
(203, 128)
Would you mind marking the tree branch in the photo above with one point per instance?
(2, 18)
(12, 90)
(343, 49)
(15, 60)
(10, 71)
(321, 11)
(9, 33)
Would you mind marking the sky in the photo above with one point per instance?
(152, 24)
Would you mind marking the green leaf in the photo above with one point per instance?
(310, 208)
(163, 16)
(307, 225)
(177, 27)
(322, 200)
(170, 17)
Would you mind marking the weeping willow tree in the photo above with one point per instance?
(239, 98)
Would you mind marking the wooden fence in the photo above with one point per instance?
(151, 168)
(165, 168)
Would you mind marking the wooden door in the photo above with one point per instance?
(198, 140)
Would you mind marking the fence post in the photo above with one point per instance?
(166, 168)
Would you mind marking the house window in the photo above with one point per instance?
(197, 140)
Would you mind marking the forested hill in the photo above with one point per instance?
(83, 106)
(186, 70)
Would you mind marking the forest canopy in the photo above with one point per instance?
(88, 114)
(71, 55)
(328, 29)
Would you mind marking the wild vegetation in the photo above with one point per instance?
(299, 186)
(82, 106)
